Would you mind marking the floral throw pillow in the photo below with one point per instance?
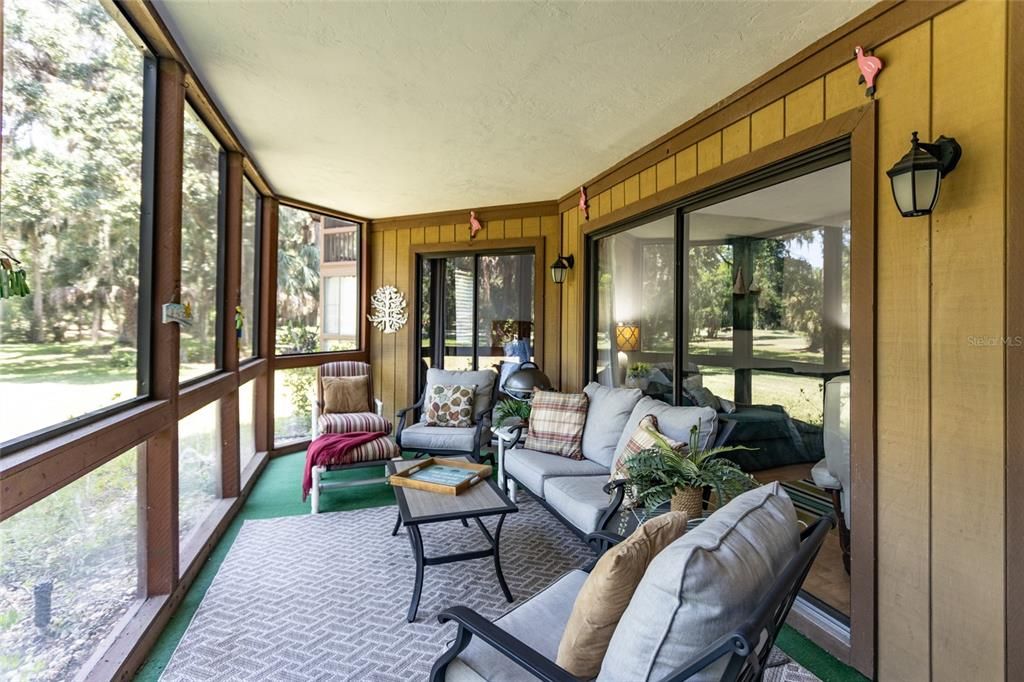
(450, 405)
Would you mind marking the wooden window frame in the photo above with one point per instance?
(50, 459)
(295, 360)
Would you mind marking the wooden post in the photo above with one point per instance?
(230, 476)
(264, 389)
(158, 466)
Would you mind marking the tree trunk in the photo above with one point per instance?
(97, 318)
(36, 331)
(130, 315)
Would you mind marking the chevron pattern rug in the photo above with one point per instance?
(325, 597)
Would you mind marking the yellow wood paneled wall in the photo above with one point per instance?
(939, 397)
(391, 256)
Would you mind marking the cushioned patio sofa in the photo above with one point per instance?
(580, 492)
(708, 607)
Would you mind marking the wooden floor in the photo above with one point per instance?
(828, 580)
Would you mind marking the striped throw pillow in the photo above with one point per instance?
(556, 423)
(642, 439)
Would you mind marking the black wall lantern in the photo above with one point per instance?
(560, 267)
(916, 177)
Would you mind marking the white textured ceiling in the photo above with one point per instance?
(382, 108)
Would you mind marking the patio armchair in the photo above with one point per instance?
(414, 435)
(370, 419)
(368, 455)
(833, 472)
(691, 617)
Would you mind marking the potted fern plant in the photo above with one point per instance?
(512, 409)
(638, 375)
(663, 474)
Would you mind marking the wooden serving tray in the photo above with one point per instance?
(444, 476)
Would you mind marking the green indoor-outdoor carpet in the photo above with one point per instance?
(276, 494)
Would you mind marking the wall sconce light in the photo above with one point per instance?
(561, 267)
(916, 177)
(627, 337)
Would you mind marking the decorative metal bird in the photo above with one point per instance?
(869, 67)
(474, 225)
(584, 206)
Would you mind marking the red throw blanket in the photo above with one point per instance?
(333, 448)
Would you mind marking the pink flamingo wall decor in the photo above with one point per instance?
(869, 67)
(474, 225)
(584, 206)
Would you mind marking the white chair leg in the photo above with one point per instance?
(512, 490)
(501, 462)
(315, 491)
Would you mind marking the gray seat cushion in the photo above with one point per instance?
(483, 380)
(702, 586)
(607, 413)
(580, 499)
(673, 421)
(531, 468)
(423, 437)
(538, 622)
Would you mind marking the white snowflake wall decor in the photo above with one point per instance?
(388, 309)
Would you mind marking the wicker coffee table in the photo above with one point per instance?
(418, 507)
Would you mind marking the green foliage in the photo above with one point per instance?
(638, 370)
(12, 282)
(123, 358)
(8, 618)
(657, 304)
(512, 409)
(300, 387)
(710, 289)
(72, 150)
(298, 280)
(655, 474)
(200, 190)
(791, 295)
(297, 339)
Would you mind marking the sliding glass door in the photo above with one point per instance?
(767, 318)
(740, 300)
(476, 310)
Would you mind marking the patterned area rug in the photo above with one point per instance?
(325, 597)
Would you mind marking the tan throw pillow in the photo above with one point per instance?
(345, 395)
(556, 423)
(607, 592)
(642, 439)
(450, 405)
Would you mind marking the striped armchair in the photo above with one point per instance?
(367, 455)
(370, 420)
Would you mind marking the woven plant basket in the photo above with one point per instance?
(689, 500)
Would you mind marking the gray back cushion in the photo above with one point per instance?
(607, 414)
(703, 586)
(483, 380)
(674, 422)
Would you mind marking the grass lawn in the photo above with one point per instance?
(771, 344)
(48, 383)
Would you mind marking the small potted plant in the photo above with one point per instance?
(638, 375)
(663, 474)
(510, 409)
